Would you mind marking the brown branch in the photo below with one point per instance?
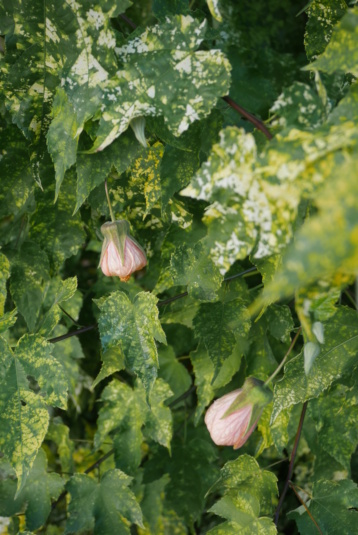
(244, 113)
(292, 462)
(305, 506)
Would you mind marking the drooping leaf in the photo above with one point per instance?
(105, 508)
(131, 328)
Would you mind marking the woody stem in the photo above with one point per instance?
(108, 201)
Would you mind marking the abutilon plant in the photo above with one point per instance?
(195, 372)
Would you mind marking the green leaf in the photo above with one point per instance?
(192, 470)
(8, 320)
(326, 242)
(60, 435)
(223, 324)
(334, 414)
(159, 425)
(192, 267)
(57, 292)
(146, 171)
(341, 53)
(322, 17)
(123, 415)
(242, 512)
(261, 526)
(93, 169)
(69, 352)
(59, 233)
(146, 89)
(29, 270)
(269, 339)
(41, 487)
(152, 505)
(245, 476)
(62, 138)
(131, 327)
(103, 508)
(298, 106)
(23, 414)
(333, 505)
(214, 7)
(176, 169)
(16, 192)
(173, 372)
(161, 8)
(337, 357)
(4, 275)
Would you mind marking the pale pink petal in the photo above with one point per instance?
(232, 429)
(104, 264)
(113, 259)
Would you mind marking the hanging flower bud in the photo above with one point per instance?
(232, 418)
(121, 254)
(138, 126)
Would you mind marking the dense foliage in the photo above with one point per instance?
(251, 235)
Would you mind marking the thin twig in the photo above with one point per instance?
(305, 506)
(69, 316)
(99, 462)
(292, 462)
(183, 396)
(128, 21)
(73, 333)
(244, 113)
(171, 299)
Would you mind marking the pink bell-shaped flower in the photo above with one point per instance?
(121, 254)
(232, 418)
